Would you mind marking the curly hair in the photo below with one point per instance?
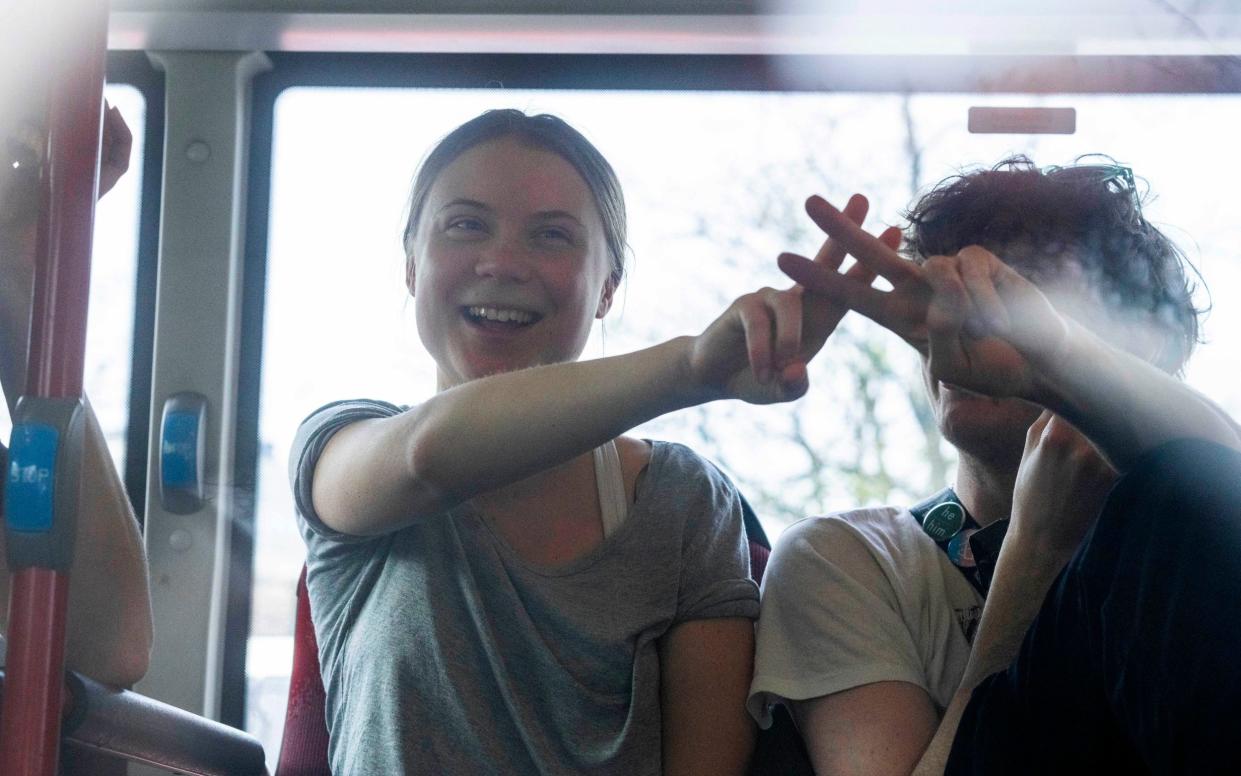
(1058, 223)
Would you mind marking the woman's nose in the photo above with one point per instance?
(505, 260)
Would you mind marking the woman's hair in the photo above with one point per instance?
(546, 133)
(1062, 223)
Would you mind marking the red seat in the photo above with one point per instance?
(303, 752)
(304, 749)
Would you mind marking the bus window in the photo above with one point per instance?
(114, 260)
(113, 267)
(714, 182)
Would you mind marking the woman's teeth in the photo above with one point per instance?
(501, 314)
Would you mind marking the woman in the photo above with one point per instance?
(499, 582)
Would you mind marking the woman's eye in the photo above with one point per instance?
(466, 225)
(554, 233)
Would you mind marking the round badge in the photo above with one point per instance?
(959, 551)
(943, 520)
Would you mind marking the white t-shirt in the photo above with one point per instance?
(856, 598)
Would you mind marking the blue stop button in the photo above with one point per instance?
(179, 451)
(31, 478)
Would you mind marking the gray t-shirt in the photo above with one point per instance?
(444, 652)
(855, 598)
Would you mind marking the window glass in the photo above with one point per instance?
(114, 265)
(714, 184)
(114, 257)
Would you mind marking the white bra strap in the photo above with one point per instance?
(610, 481)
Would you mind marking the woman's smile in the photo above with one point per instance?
(499, 318)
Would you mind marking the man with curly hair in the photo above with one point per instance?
(1070, 603)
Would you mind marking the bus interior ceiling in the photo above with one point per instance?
(274, 141)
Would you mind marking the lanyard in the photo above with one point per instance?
(973, 550)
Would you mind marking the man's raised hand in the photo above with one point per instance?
(981, 325)
(903, 310)
(1061, 486)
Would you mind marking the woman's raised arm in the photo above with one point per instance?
(379, 475)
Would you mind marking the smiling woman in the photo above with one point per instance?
(472, 560)
(509, 239)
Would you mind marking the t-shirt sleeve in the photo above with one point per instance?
(341, 570)
(831, 619)
(312, 436)
(715, 556)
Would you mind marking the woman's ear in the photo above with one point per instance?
(605, 299)
(410, 271)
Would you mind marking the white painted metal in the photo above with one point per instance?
(1144, 29)
(197, 323)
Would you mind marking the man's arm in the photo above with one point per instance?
(109, 628)
(1061, 487)
(835, 646)
(892, 727)
(705, 668)
(872, 730)
(986, 328)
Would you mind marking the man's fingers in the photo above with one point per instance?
(945, 317)
(1035, 432)
(860, 272)
(865, 248)
(832, 253)
(851, 289)
(1039, 330)
(949, 300)
(976, 267)
(892, 237)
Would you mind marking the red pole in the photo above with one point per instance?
(34, 686)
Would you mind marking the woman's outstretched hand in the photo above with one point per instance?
(753, 351)
(981, 325)
(758, 349)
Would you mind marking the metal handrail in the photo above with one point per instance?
(139, 729)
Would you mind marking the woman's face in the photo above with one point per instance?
(509, 264)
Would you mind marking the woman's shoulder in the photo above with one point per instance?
(333, 416)
(676, 471)
(635, 457)
(354, 409)
(318, 427)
